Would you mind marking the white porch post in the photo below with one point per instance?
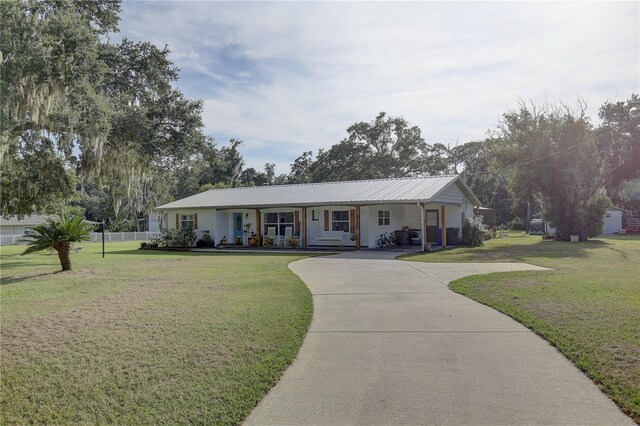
(423, 238)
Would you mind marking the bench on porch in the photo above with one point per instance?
(333, 239)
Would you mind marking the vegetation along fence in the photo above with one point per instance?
(6, 240)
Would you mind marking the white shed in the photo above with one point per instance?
(613, 220)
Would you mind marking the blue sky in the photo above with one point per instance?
(291, 77)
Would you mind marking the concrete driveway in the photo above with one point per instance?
(390, 344)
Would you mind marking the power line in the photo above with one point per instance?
(544, 157)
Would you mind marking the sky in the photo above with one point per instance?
(291, 77)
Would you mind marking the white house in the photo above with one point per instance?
(353, 213)
(12, 229)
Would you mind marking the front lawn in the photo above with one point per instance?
(588, 307)
(145, 337)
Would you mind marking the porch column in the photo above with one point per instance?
(444, 228)
(303, 231)
(357, 227)
(258, 223)
(423, 214)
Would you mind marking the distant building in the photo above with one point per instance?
(15, 226)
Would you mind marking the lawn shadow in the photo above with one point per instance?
(20, 278)
(548, 249)
(283, 252)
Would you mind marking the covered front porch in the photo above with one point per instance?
(420, 226)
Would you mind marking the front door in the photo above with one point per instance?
(433, 221)
(237, 226)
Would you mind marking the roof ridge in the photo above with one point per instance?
(334, 182)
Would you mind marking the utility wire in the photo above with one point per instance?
(544, 157)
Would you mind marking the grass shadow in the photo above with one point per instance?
(21, 278)
(549, 249)
(137, 252)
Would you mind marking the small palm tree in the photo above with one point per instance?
(58, 233)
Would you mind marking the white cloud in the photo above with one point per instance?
(290, 77)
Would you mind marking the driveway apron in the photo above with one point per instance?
(391, 344)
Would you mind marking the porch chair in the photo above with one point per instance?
(288, 232)
(271, 232)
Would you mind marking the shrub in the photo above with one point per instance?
(238, 241)
(474, 232)
(205, 240)
(184, 237)
(268, 241)
(223, 241)
(516, 224)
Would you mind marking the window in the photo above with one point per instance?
(384, 217)
(314, 215)
(186, 221)
(27, 229)
(280, 221)
(340, 220)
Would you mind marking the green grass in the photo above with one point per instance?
(588, 306)
(145, 337)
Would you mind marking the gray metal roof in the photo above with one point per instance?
(359, 192)
(34, 219)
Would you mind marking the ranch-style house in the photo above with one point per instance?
(424, 211)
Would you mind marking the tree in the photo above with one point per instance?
(618, 141)
(552, 155)
(50, 73)
(58, 234)
(385, 147)
(475, 162)
(300, 168)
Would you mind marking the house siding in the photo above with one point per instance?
(452, 194)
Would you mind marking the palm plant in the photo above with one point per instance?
(58, 233)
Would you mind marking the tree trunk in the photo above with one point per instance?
(63, 250)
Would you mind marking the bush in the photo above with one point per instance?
(474, 232)
(585, 219)
(205, 240)
(268, 241)
(223, 241)
(184, 237)
(516, 224)
(238, 241)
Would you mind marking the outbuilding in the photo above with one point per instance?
(424, 210)
(613, 220)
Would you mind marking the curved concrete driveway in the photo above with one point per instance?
(390, 343)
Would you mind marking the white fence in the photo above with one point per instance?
(6, 240)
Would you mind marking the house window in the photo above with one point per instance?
(280, 221)
(384, 217)
(27, 229)
(314, 215)
(340, 220)
(186, 221)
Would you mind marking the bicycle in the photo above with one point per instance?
(387, 240)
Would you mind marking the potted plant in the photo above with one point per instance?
(238, 241)
(223, 241)
(292, 241)
(254, 241)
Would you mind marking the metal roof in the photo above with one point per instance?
(359, 192)
(34, 219)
